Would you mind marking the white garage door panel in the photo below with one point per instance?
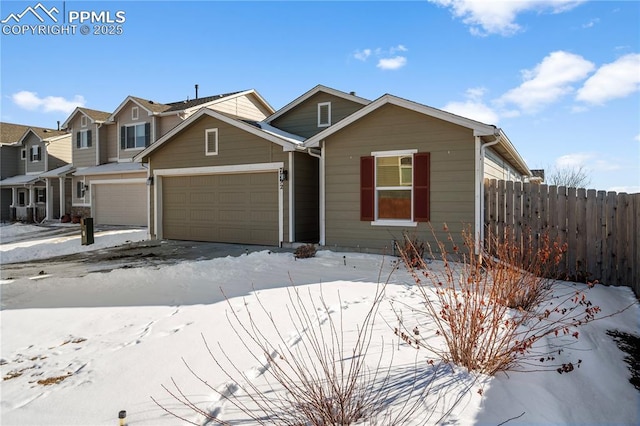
(121, 204)
(231, 208)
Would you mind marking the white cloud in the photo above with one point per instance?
(499, 17)
(548, 81)
(398, 48)
(590, 161)
(574, 160)
(591, 23)
(386, 58)
(638, 137)
(31, 101)
(615, 80)
(362, 55)
(473, 108)
(392, 63)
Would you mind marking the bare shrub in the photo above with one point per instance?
(490, 312)
(315, 376)
(304, 252)
(413, 251)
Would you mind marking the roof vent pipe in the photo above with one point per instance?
(196, 91)
(58, 124)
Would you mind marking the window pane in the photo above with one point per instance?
(140, 136)
(131, 137)
(394, 204)
(393, 171)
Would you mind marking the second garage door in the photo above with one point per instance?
(230, 208)
(120, 204)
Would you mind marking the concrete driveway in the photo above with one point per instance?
(131, 255)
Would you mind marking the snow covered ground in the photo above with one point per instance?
(76, 351)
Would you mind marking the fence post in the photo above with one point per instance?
(594, 254)
(610, 238)
(581, 234)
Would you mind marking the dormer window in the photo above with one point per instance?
(36, 153)
(137, 136)
(83, 121)
(83, 139)
(134, 113)
(324, 114)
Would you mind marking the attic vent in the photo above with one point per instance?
(151, 102)
(46, 130)
(352, 93)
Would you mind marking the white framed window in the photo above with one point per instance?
(23, 154)
(83, 121)
(324, 114)
(134, 113)
(41, 195)
(394, 186)
(136, 136)
(83, 139)
(80, 189)
(36, 153)
(211, 142)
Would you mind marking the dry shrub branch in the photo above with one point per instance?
(321, 374)
(492, 308)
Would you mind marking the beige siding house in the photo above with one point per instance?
(108, 185)
(36, 192)
(396, 167)
(217, 178)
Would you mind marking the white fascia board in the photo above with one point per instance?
(129, 98)
(117, 181)
(511, 149)
(287, 145)
(212, 170)
(476, 126)
(73, 114)
(310, 93)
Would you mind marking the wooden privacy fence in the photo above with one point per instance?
(601, 229)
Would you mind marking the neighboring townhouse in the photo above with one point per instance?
(329, 167)
(107, 184)
(37, 180)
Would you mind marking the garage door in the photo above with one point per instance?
(230, 208)
(120, 204)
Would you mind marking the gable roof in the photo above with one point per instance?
(310, 93)
(194, 104)
(93, 114)
(11, 134)
(46, 134)
(288, 142)
(479, 129)
(157, 108)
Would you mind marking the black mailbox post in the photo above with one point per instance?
(86, 228)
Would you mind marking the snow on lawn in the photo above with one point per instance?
(76, 351)
(39, 248)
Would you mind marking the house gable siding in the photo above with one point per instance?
(59, 152)
(83, 157)
(496, 167)
(124, 118)
(186, 150)
(303, 119)
(246, 106)
(34, 166)
(452, 164)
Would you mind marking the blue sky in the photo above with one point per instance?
(561, 78)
